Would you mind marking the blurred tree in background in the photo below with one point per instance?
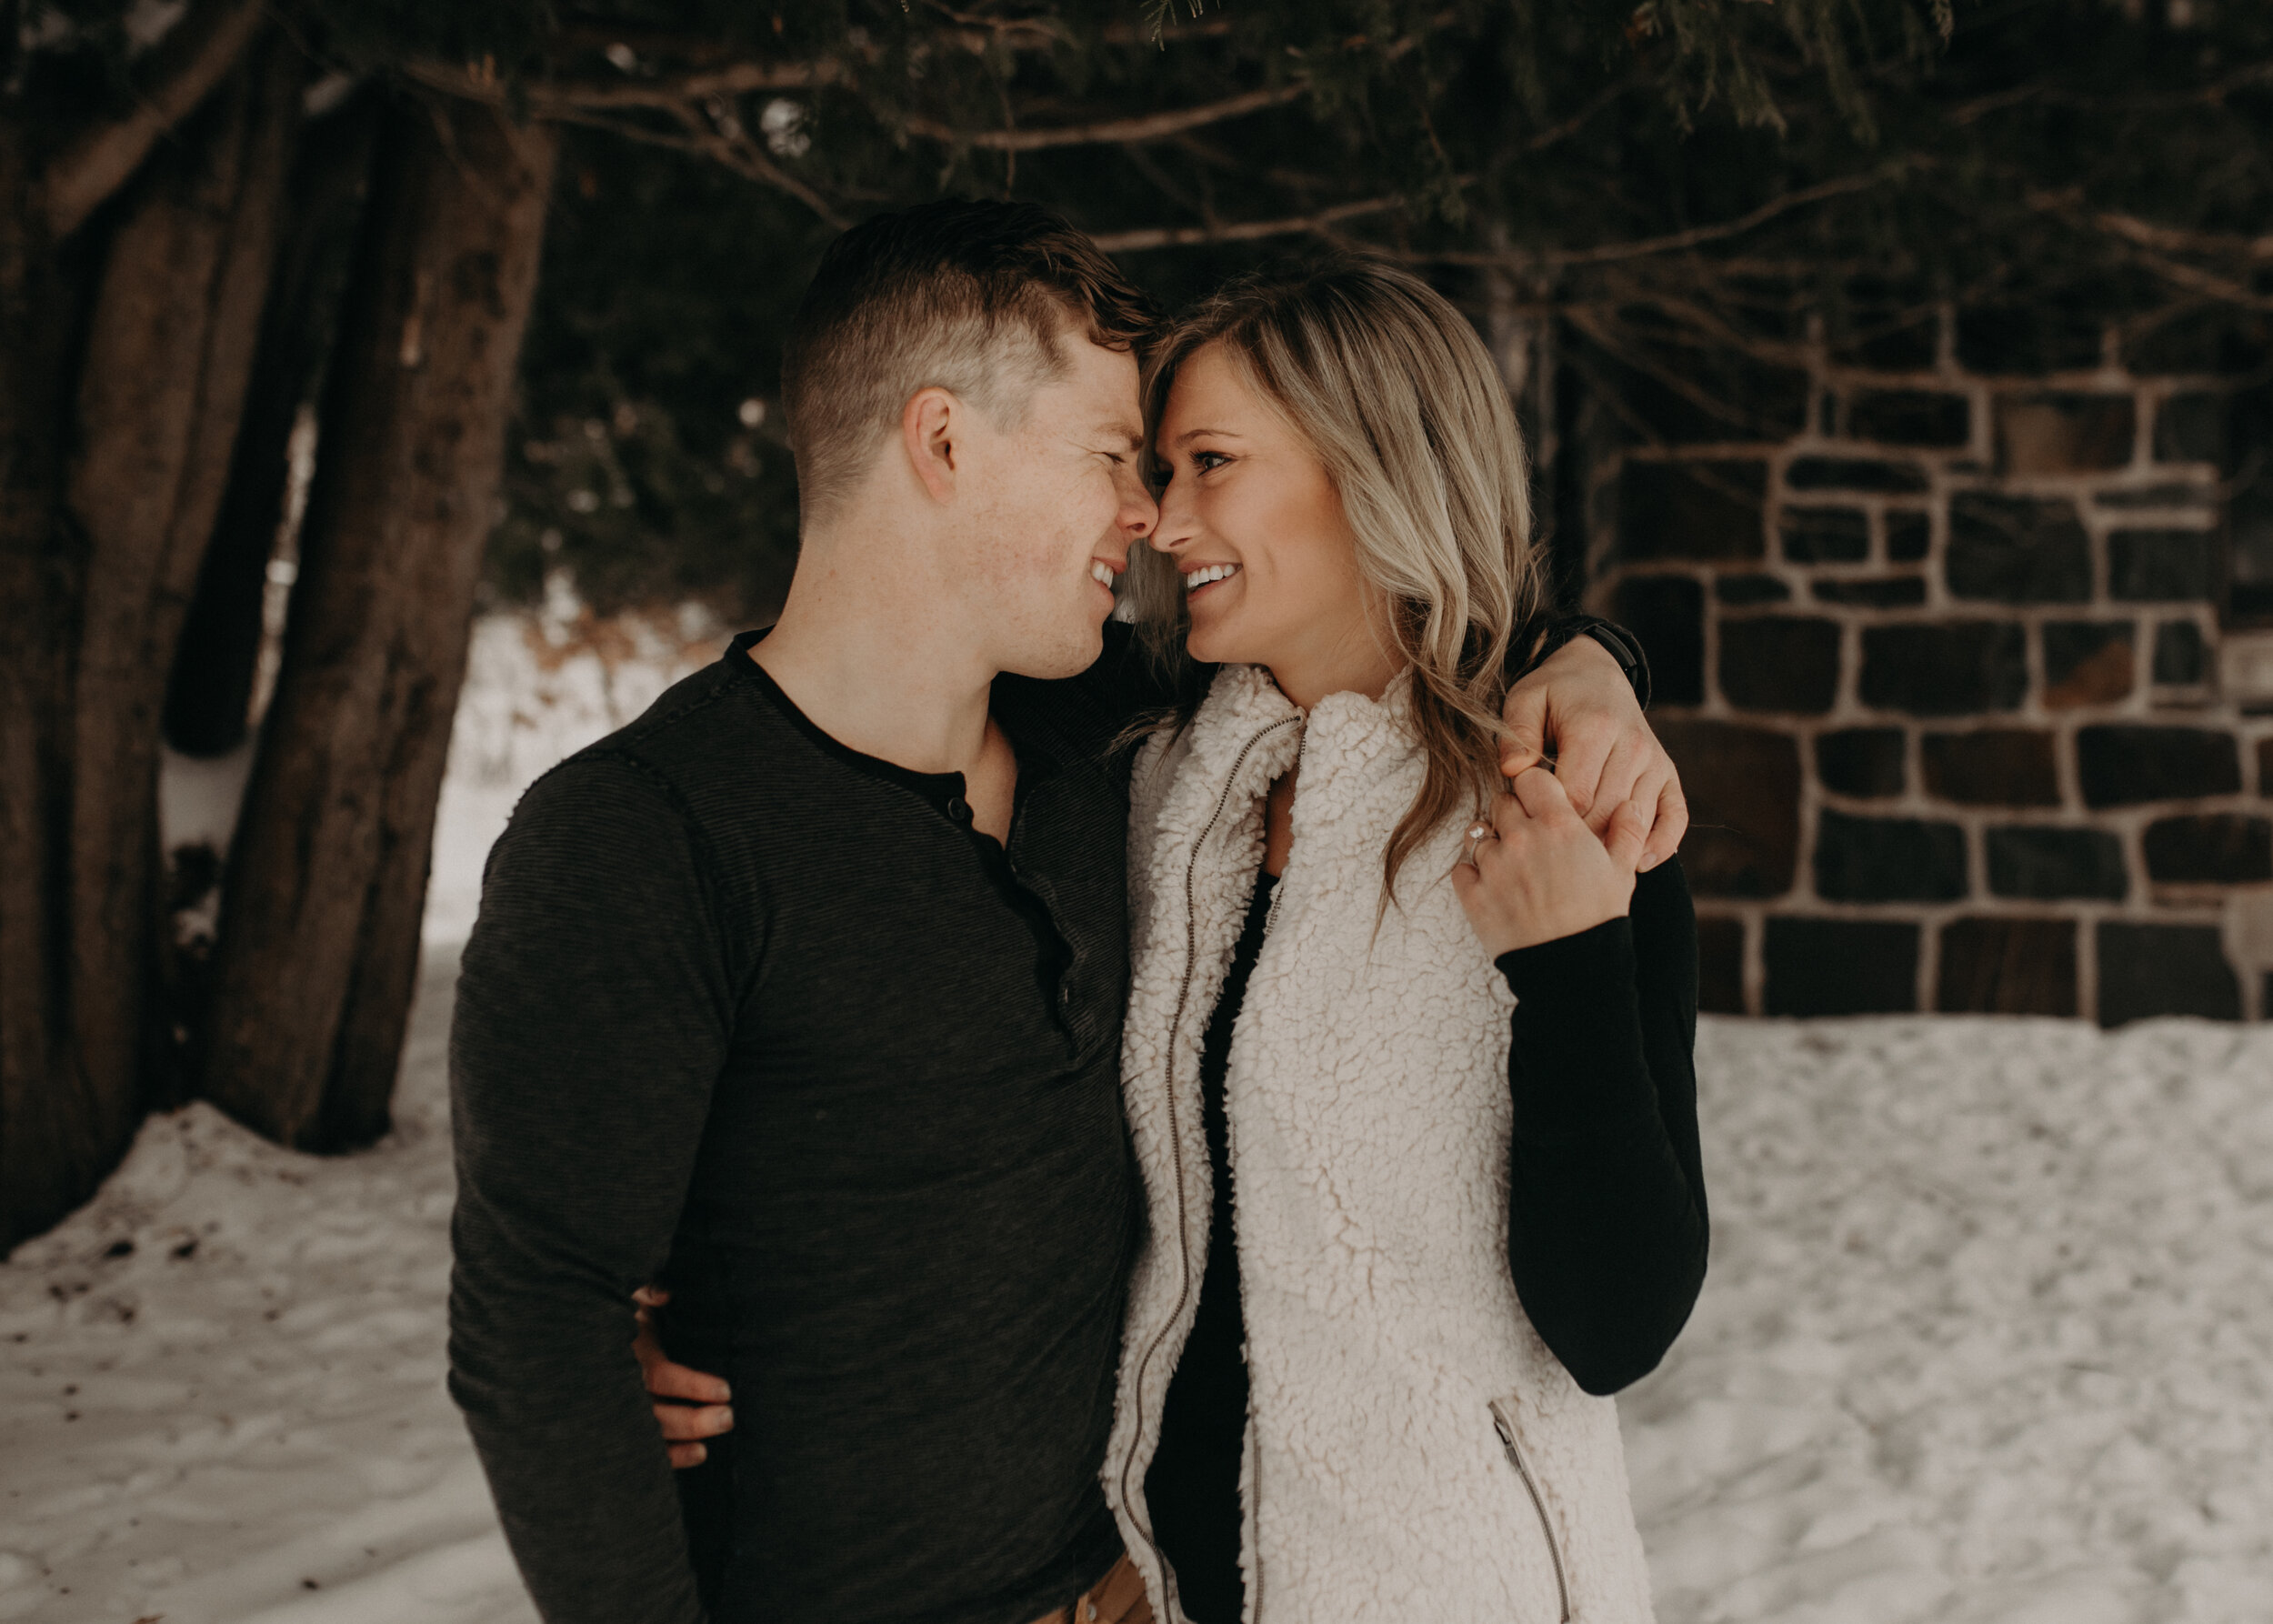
(266, 271)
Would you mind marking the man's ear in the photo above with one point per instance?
(931, 426)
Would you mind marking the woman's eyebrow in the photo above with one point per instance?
(1190, 435)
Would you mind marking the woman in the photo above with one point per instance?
(1411, 1092)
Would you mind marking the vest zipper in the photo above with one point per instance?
(1505, 1425)
(1175, 1136)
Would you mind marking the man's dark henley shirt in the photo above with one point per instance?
(766, 1020)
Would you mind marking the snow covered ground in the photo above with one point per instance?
(1988, 1336)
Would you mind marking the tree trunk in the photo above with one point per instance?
(50, 1151)
(95, 562)
(161, 389)
(320, 911)
(208, 699)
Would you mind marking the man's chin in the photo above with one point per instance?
(1070, 656)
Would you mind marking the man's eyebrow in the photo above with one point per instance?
(1119, 430)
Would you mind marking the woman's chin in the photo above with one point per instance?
(1209, 647)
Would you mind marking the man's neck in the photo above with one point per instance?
(880, 672)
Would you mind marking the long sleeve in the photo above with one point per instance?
(593, 1014)
(1608, 1228)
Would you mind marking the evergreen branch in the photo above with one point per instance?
(1673, 242)
(740, 156)
(559, 99)
(192, 60)
(2169, 239)
(1150, 127)
(2152, 248)
(1320, 223)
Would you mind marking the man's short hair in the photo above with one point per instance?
(970, 296)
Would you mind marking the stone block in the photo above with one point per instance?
(1908, 536)
(1743, 591)
(1991, 766)
(2123, 765)
(2215, 338)
(1691, 510)
(2064, 433)
(1892, 592)
(2051, 863)
(2218, 339)
(1909, 418)
(2161, 565)
(1719, 965)
(2191, 429)
(1780, 662)
(1952, 669)
(1889, 329)
(1743, 789)
(1864, 762)
(1887, 859)
(2087, 662)
(2016, 549)
(2156, 496)
(2209, 848)
(2181, 658)
(1730, 396)
(2163, 969)
(1667, 614)
(1826, 534)
(2049, 334)
(1839, 966)
(2006, 966)
(1855, 474)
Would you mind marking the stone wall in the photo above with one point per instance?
(1938, 647)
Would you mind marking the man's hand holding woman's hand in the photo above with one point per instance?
(1579, 703)
(1541, 873)
(1561, 852)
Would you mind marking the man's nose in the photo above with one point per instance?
(1140, 515)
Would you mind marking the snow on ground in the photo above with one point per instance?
(1987, 1335)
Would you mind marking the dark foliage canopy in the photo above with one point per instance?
(1720, 182)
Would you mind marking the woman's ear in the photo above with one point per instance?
(930, 424)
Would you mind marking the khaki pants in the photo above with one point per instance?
(1117, 1598)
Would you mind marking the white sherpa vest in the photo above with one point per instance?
(1414, 1451)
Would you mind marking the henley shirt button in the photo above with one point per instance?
(958, 808)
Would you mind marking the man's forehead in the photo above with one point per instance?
(1097, 390)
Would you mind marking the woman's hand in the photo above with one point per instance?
(690, 1406)
(1579, 704)
(1542, 874)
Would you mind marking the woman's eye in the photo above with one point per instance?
(1207, 462)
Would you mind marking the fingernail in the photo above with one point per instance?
(1645, 865)
(700, 1454)
(725, 1418)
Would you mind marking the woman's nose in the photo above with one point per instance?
(1173, 528)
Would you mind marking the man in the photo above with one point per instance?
(801, 996)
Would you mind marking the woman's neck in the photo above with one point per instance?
(1364, 664)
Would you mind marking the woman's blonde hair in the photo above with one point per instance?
(1400, 401)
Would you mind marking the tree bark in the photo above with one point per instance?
(154, 319)
(50, 1153)
(162, 389)
(320, 911)
(209, 695)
